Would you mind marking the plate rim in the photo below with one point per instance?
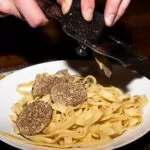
(59, 61)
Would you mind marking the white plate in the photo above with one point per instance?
(123, 78)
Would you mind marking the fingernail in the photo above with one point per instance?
(109, 20)
(89, 14)
(115, 20)
(66, 6)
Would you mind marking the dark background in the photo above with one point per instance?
(21, 44)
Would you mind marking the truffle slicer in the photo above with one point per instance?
(91, 35)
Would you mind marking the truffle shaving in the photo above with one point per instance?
(43, 84)
(68, 93)
(34, 118)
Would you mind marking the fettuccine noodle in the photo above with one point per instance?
(106, 114)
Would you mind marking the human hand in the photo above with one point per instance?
(114, 9)
(29, 10)
(25, 9)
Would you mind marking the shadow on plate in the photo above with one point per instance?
(121, 76)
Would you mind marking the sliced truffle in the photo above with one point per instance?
(34, 118)
(43, 84)
(65, 74)
(68, 93)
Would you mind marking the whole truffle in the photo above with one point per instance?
(68, 93)
(34, 118)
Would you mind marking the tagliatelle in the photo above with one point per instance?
(106, 114)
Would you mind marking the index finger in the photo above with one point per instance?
(31, 12)
(111, 10)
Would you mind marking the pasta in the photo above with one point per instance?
(106, 114)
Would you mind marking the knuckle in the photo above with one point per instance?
(5, 7)
(59, 2)
(37, 22)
